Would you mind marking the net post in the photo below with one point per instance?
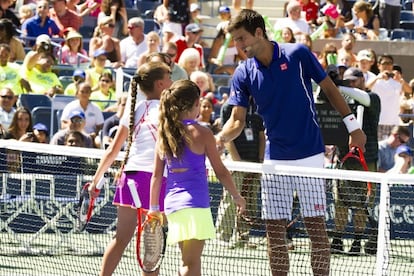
(383, 234)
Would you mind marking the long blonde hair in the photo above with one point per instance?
(172, 134)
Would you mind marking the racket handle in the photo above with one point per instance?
(134, 193)
(101, 183)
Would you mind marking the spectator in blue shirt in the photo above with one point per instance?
(278, 77)
(39, 24)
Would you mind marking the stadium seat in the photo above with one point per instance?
(407, 25)
(151, 25)
(400, 34)
(65, 81)
(58, 104)
(144, 6)
(133, 12)
(30, 101)
(42, 114)
(406, 15)
(86, 31)
(408, 5)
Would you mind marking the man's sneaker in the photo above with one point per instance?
(337, 246)
(370, 247)
(355, 248)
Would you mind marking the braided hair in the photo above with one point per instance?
(145, 77)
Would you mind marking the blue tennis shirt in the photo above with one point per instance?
(284, 97)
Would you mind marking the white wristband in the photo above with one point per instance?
(351, 122)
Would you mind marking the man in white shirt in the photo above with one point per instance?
(7, 100)
(389, 90)
(135, 44)
(293, 21)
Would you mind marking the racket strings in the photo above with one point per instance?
(152, 242)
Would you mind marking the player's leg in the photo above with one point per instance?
(125, 229)
(276, 247)
(237, 5)
(249, 4)
(191, 257)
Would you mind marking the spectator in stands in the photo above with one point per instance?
(10, 72)
(190, 60)
(311, 10)
(25, 12)
(328, 49)
(37, 69)
(39, 24)
(293, 21)
(227, 62)
(398, 76)
(153, 41)
(84, 8)
(390, 13)
(207, 116)
(389, 90)
(7, 110)
(371, 103)
(64, 17)
(249, 146)
(21, 127)
(402, 160)
(287, 35)
(7, 36)
(225, 16)
(97, 68)
(347, 46)
(106, 92)
(135, 44)
(202, 79)
(364, 61)
(398, 135)
(306, 40)
(95, 6)
(93, 115)
(78, 76)
(75, 139)
(177, 72)
(72, 47)
(7, 13)
(178, 15)
(367, 24)
(103, 40)
(115, 9)
(111, 124)
(374, 66)
(195, 13)
(41, 132)
(332, 17)
(76, 122)
(192, 35)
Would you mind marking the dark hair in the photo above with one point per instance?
(163, 56)
(172, 135)
(385, 56)
(9, 28)
(250, 20)
(13, 128)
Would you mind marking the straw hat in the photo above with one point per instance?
(73, 34)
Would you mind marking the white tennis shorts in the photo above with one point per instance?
(278, 190)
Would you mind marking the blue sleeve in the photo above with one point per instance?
(239, 92)
(312, 67)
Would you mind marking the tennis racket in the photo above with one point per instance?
(86, 205)
(356, 160)
(151, 237)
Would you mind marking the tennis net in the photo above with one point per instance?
(40, 185)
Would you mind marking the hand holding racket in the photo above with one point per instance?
(151, 237)
(87, 203)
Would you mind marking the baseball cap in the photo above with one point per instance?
(44, 38)
(99, 52)
(41, 127)
(224, 9)
(194, 7)
(193, 28)
(364, 55)
(352, 73)
(79, 73)
(404, 149)
(76, 113)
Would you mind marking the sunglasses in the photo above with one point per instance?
(7, 97)
(386, 63)
(77, 120)
(105, 80)
(132, 27)
(110, 25)
(401, 140)
(171, 55)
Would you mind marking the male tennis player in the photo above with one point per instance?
(278, 76)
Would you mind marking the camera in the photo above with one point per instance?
(390, 74)
(45, 46)
(333, 74)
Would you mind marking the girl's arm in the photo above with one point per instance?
(221, 171)
(156, 180)
(109, 156)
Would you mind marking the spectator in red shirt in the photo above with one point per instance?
(192, 35)
(311, 9)
(64, 17)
